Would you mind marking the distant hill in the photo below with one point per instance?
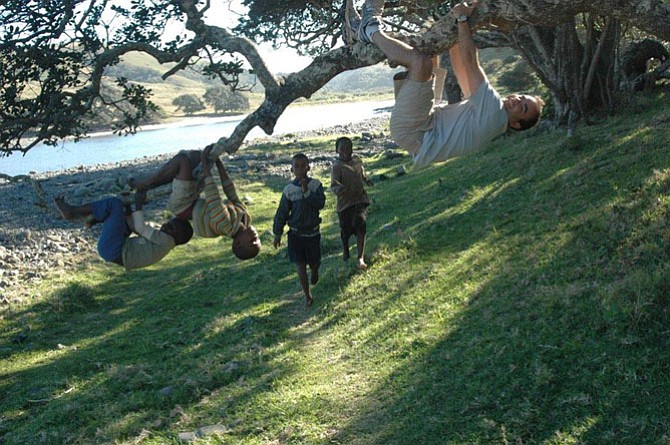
(505, 68)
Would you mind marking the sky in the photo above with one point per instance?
(279, 60)
(225, 13)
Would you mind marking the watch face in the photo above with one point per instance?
(462, 18)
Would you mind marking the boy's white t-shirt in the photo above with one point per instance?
(463, 127)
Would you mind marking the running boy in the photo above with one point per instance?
(211, 216)
(347, 181)
(299, 207)
(115, 244)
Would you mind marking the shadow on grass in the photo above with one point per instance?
(517, 299)
(121, 355)
(559, 334)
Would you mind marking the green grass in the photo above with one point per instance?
(519, 295)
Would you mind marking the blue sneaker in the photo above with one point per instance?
(372, 11)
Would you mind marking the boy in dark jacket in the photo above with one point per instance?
(299, 207)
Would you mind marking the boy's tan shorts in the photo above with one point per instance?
(412, 114)
(184, 194)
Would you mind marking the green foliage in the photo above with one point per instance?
(291, 21)
(364, 80)
(510, 73)
(224, 99)
(519, 76)
(189, 103)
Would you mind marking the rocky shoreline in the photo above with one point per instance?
(35, 240)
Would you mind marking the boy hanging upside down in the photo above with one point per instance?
(115, 244)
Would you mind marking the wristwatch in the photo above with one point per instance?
(462, 18)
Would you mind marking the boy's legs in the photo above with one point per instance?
(345, 232)
(179, 167)
(109, 211)
(301, 268)
(360, 228)
(345, 245)
(313, 256)
(69, 211)
(304, 250)
(360, 244)
(114, 229)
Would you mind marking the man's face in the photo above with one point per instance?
(520, 107)
(300, 167)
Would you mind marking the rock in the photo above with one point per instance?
(23, 235)
(187, 437)
(393, 154)
(204, 431)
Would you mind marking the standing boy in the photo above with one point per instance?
(299, 207)
(348, 181)
(115, 243)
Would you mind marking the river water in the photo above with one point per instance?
(192, 133)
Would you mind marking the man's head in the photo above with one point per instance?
(246, 243)
(300, 166)
(344, 148)
(179, 229)
(523, 111)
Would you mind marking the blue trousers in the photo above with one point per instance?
(115, 231)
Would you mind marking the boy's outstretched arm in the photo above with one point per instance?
(226, 183)
(221, 219)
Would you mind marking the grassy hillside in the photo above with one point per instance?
(519, 295)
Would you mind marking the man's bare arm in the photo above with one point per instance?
(465, 55)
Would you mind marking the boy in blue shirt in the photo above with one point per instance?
(299, 207)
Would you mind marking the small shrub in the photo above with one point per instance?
(76, 297)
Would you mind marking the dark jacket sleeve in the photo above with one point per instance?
(281, 216)
(317, 198)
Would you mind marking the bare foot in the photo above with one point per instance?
(361, 264)
(315, 276)
(64, 208)
(309, 300)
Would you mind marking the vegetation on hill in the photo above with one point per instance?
(517, 295)
(507, 70)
